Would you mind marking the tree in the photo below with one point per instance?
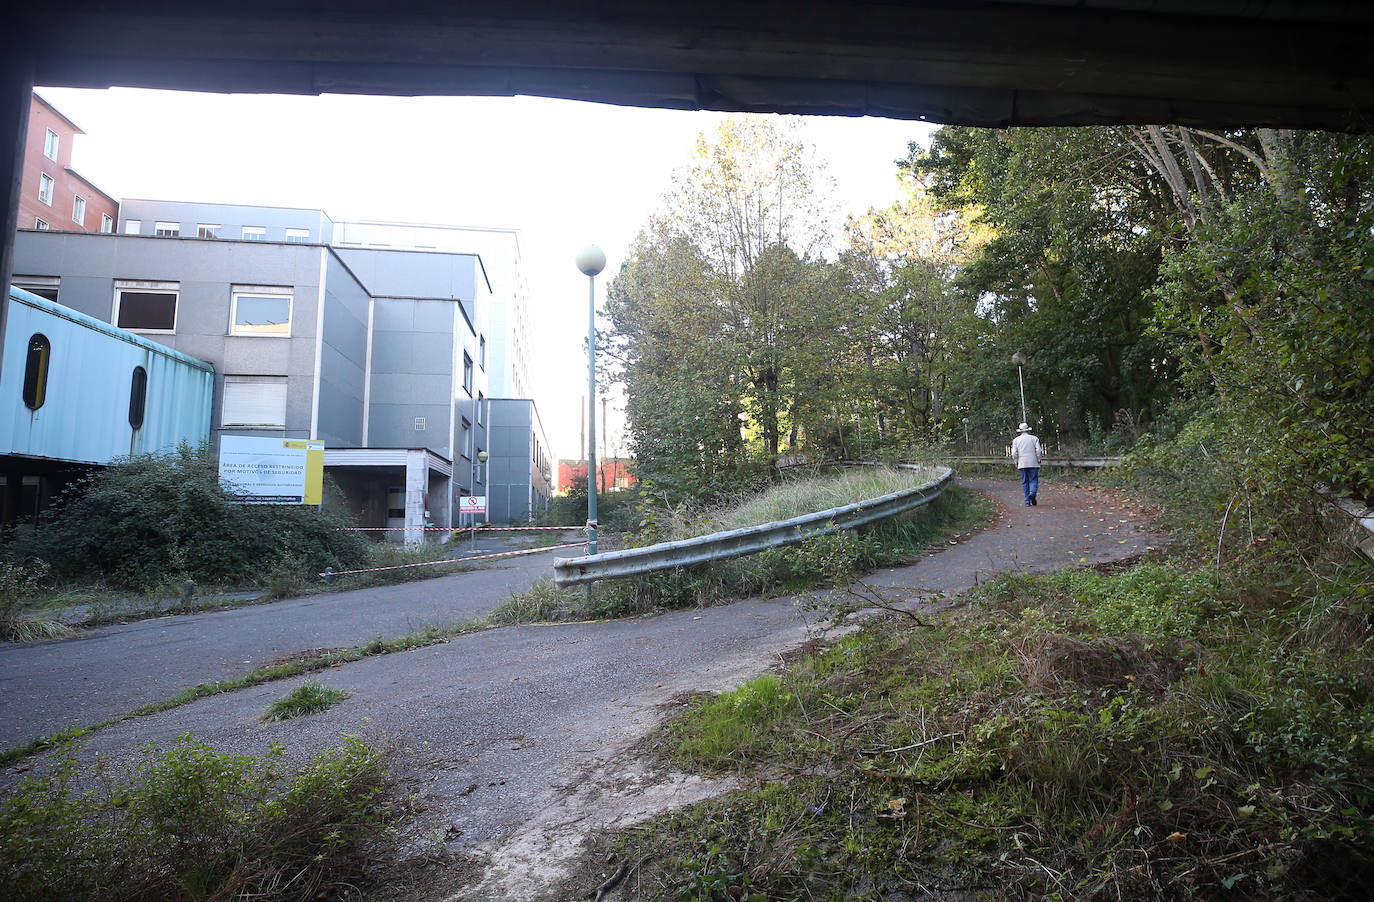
(723, 317)
(1077, 225)
(915, 326)
(751, 203)
(682, 387)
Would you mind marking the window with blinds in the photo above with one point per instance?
(254, 402)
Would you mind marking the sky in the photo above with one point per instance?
(564, 173)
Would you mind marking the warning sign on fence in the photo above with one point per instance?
(272, 470)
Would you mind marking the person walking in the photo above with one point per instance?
(1026, 452)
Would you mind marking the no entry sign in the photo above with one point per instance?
(472, 504)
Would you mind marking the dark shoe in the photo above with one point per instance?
(1033, 501)
(1027, 504)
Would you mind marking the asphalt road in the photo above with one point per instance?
(50, 686)
(514, 739)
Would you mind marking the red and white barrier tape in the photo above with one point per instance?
(459, 560)
(461, 528)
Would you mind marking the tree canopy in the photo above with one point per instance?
(1134, 267)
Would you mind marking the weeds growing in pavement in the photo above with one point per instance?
(195, 824)
(309, 663)
(308, 698)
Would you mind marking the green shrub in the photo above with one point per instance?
(19, 582)
(157, 520)
(191, 823)
(1153, 600)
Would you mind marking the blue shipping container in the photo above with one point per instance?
(71, 388)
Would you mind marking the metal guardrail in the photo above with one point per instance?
(750, 539)
(1091, 463)
(1360, 531)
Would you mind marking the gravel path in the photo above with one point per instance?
(517, 740)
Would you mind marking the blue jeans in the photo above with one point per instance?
(1030, 481)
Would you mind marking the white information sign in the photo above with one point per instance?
(472, 504)
(272, 470)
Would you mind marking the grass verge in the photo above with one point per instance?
(825, 560)
(1146, 734)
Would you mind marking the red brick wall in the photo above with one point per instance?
(66, 184)
(609, 471)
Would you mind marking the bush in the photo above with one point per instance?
(191, 823)
(19, 582)
(156, 520)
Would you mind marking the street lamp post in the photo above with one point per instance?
(480, 458)
(591, 260)
(1020, 360)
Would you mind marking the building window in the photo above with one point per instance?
(138, 397)
(298, 236)
(146, 306)
(254, 402)
(482, 352)
(260, 311)
(106, 223)
(40, 225)
(207, 230)
(43, 286)
(36, 371)
(45, 188)
(79, 210)
(167, 229)
(254, 233)
(133, 227)
(467, 373)
(50, 145)
(480, 398)
(467, 439)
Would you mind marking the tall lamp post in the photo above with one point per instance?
(1020, 360)
(480, 458)
(591, 260)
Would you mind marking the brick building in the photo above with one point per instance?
(53, 194)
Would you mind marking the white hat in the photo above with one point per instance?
(1023, 428)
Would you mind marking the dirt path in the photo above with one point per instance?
(517, 742)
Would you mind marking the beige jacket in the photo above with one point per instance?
(1026, 451)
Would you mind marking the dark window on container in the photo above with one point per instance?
(138, 397)
(36, 371)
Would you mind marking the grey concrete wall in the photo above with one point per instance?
(415, 274)
(417, 344)
(343, 358)
(514, 475)
(88, 265)
(413, 344)
(230, 217)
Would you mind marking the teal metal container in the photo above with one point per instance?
(88, 400)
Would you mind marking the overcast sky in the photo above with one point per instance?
(564, 173)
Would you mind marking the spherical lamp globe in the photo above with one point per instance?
(591, 260)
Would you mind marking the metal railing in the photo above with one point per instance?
(1092, 463)
(750, 539)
